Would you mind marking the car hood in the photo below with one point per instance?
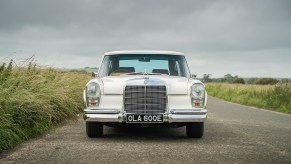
(115, 84)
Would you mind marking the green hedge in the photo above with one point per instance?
(266, 81)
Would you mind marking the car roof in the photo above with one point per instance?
(144, 52)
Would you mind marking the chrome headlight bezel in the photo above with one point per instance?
(197, 95)
(198, 91)
(93, 94)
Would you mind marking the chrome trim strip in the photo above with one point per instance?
(189, 111)
(103, 117)
(145, 95)
(186, 118)
(102, 111)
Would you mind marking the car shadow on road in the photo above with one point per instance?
(145, 134)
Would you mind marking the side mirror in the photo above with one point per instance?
(193, 76)
(94, 74)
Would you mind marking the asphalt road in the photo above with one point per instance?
(233, 134)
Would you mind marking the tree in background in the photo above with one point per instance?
(228, 78)
(233, 79)
(206, 78)
(285, 80)
(251, 80)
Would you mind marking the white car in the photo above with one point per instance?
(145, 88)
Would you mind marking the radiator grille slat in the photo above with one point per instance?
(145, 99)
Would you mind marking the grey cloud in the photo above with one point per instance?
(249, 33)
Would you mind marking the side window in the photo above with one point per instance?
(178, 68)
(109, 67)
(103, 71)
(106, 67)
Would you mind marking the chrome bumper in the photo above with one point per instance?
(112, 115)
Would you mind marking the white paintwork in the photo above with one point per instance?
(178, 88)
(143, 52)
(115, 84)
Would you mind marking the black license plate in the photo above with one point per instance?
(144, 118)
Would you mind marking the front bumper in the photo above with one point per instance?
(113, 115)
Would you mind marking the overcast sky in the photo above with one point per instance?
(249, 38)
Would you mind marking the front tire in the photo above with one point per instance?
(94, 129)
(195, 129)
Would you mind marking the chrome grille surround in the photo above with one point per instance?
(149, 97)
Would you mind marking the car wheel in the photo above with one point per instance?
(94, 129)
(195, 129)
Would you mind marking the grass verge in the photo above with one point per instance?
(33, 100)
(273, 97)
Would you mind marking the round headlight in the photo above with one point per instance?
(93, 90)
(197, 91)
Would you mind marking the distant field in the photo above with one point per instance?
(274, 97)
(33, 100)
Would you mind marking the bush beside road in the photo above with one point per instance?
(33, 100)
(273, 97)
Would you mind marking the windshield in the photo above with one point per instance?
(151, 64)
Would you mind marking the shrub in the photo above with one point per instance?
(239, 81)
(33, 100)
(266, 81)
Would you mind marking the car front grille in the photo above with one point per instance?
(145, 99)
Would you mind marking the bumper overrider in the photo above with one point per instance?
(115, 115)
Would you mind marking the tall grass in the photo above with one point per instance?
(32, 100)
(274, 97)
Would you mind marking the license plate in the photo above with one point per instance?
(144, 118)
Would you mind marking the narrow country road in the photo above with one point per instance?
(233, 134)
